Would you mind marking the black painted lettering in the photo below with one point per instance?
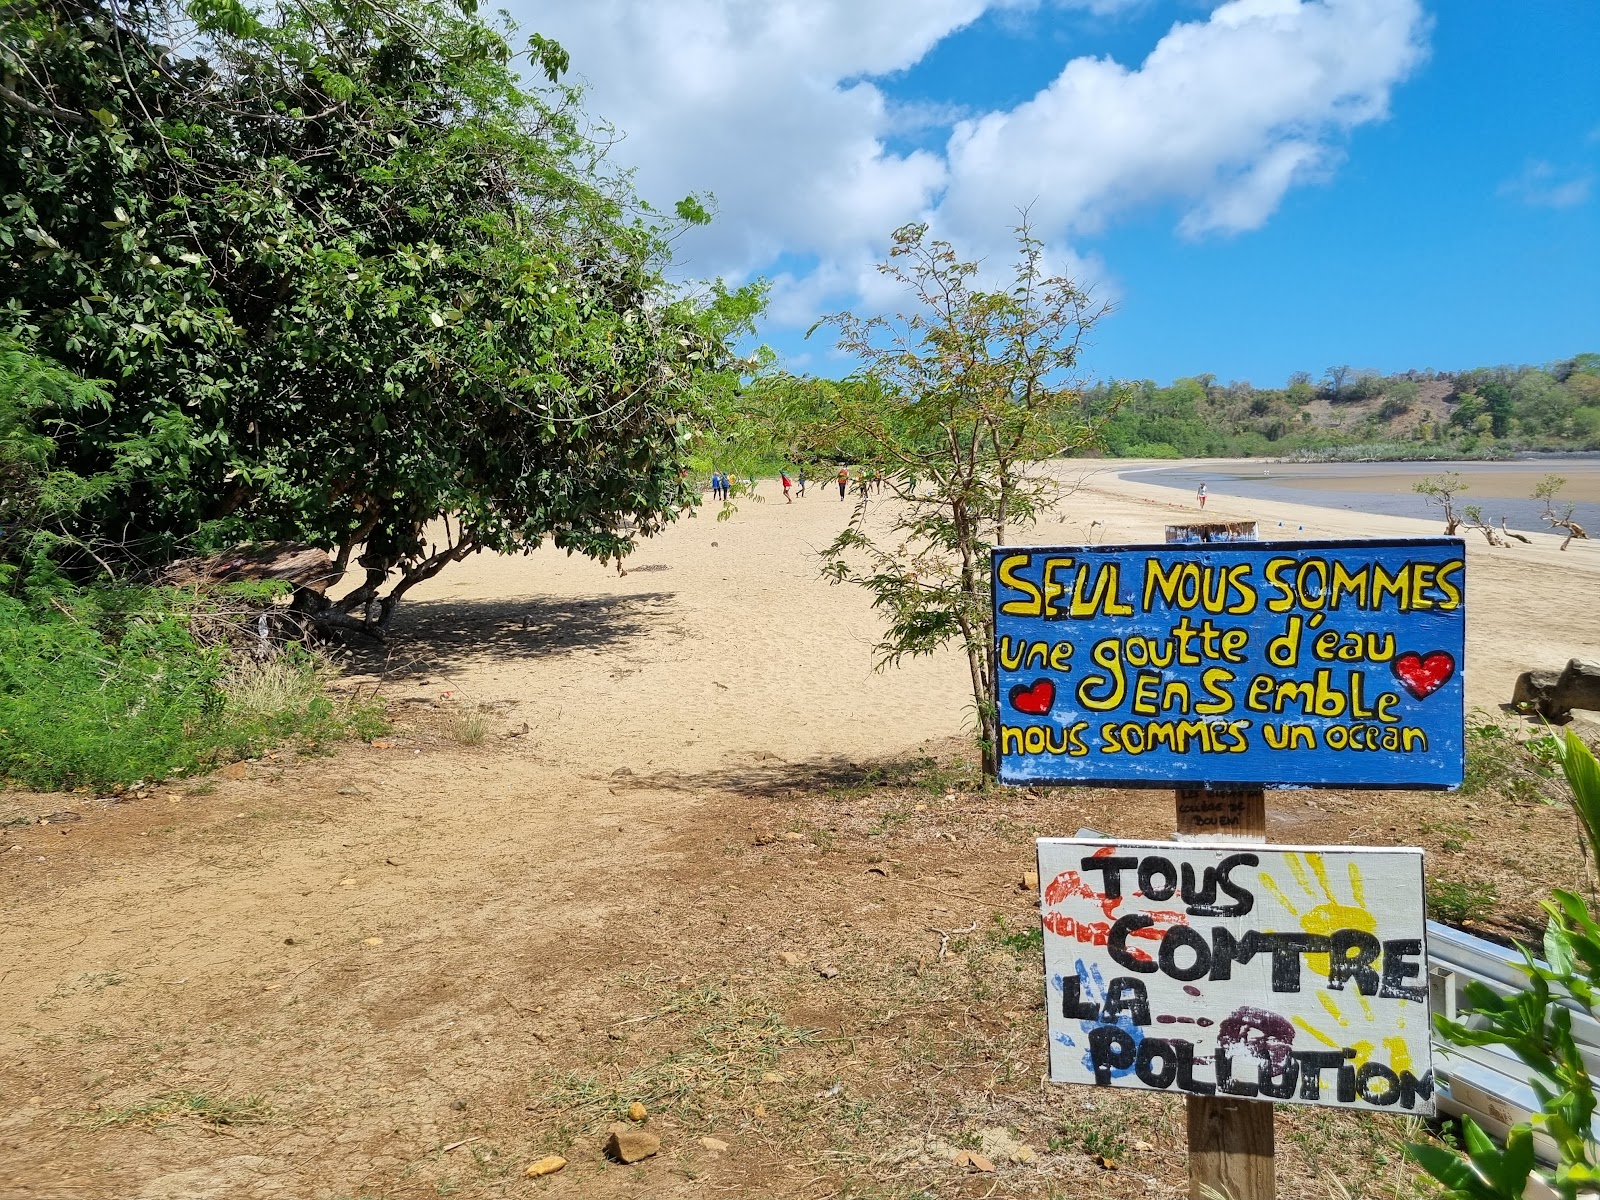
(1398, 967)
(1177, 938)
(1312, 1064)
(1111, 1048)
(1073, 1006)
(1281, 1085)
(1186, 1079)
(1371, 1073)
(1112, 868)
(1411, 1088)
(1244, 898)
(1226, 1083)
(1351, 954)
(1126, 994)
(1149, 869)
(1117, 943)
(1152, 1050)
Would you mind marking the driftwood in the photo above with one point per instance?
(1554, 694)
(298, 564)
(1511, 533)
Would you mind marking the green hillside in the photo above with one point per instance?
(1483, 412)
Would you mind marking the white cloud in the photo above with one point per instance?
(768, 106)
(1223, 117)
(1543, 185)
(783, 109)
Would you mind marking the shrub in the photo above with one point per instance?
(100, 687)
(1536, 1026)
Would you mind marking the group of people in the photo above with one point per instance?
(866, 482)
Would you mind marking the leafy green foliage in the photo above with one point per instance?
(110, 686)
(1483, 411)
(36, 498)
(1536, 1025)
(955, 403)
(1455, 901)
(348, 275)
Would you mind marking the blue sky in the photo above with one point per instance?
(1260, 187)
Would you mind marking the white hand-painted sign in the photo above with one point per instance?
(1282, 973)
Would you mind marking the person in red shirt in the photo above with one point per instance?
(787, 499)
(844, 479)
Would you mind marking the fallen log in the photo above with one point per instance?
(295, 563)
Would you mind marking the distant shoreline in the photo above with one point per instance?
(1502, 487)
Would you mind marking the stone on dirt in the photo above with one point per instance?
(715, 1145)
(630, 1145)
(637, 1111)
(547, 1165)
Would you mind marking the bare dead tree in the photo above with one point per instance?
(1549, 490)
(1474, 513)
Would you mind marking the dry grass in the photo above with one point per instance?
(467, 727)
(874, 1078)
(262, 689)
(181, 1106)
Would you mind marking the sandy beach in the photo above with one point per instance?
(723, 641)
(398, 945)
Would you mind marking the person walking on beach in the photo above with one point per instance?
(784, 475)
(844, 480)
(801, 480)
(1201, 494)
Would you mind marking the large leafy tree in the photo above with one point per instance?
(353, 282)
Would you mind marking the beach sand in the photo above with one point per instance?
(723, 641)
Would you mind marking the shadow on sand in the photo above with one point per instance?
(430, 635)
(771, 777)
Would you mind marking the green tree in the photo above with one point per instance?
(353, 283)
(37, 498)
(966, 395)
(1442, 490)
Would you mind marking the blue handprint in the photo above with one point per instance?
(1092, 987)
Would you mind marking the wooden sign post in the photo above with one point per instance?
(1231, 1141)
(1220, 666)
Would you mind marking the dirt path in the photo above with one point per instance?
(311, 977)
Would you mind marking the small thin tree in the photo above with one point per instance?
(1442, 490)
(1549, 490)
(963, 397)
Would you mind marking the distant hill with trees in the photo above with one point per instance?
(1482, 412)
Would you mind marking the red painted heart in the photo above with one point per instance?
(1424, 674)
(1035, 700)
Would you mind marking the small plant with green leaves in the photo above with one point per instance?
(1458, 901)
(1497, 762)
(1535, 1024)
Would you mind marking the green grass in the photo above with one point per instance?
(1497, 763)
(182, 1106)
(111, 686)
(1455, 901)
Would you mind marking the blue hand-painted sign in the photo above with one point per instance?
(1297, 664)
